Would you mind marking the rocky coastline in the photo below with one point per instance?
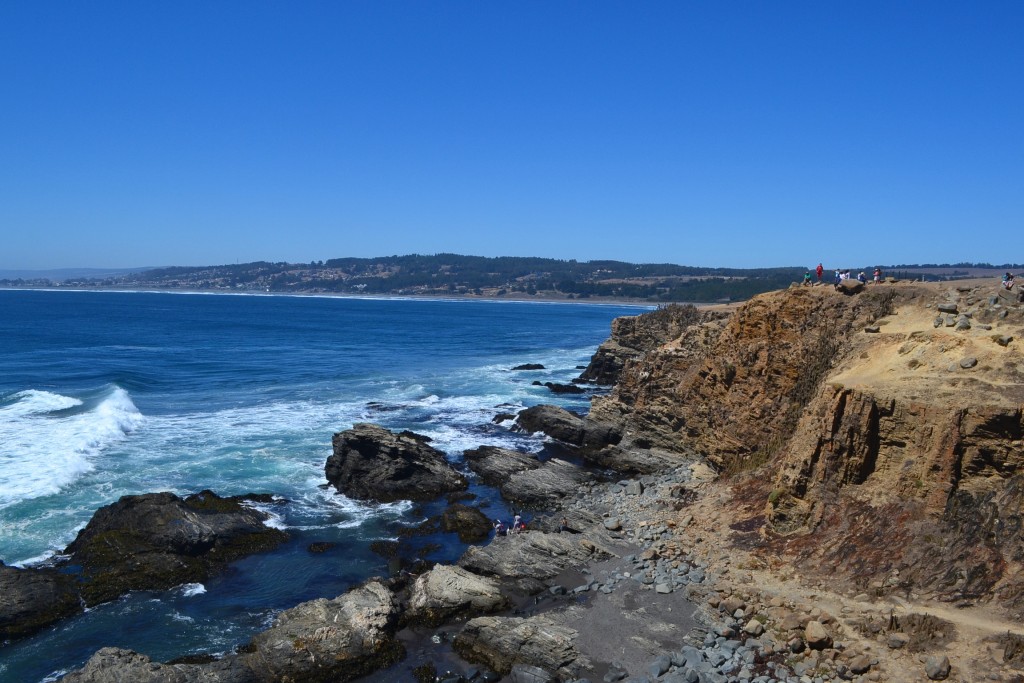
(811, 487)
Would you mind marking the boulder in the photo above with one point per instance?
(447, 592)
(330, 640)
(158, 540)
(502, 643)
(542, 486)
(469, 523)
(937, 668)
(495, 465)
(372, 463)
(558, 423)
(529, 366)
(31, 599)
(816, 637)
(527, 560)
(947, 308)
(850, 286)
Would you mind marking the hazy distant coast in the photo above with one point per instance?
(452, 276)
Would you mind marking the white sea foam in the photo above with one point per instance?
(191, 589)
(48, 441)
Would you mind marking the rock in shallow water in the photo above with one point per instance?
(372, 463)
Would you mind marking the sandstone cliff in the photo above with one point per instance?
(876, 436)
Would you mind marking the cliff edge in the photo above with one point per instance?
(873, 438)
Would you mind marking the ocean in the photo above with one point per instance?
(105, 394)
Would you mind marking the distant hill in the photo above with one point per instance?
(62, 274)
(466, 276)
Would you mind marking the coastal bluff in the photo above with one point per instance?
(865, 437)
(828, 482)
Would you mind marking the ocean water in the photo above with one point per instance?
(104, 394)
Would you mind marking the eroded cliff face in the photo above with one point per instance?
(880, 433)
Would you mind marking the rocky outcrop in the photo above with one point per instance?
(502, 642)
(632, 337)
(447, 592)
(115, 665)
(542, 487)
(865, 442)
(728, 392)
(159, 540)
(495, 465)
(331, 640)
(319, 641)
(470, 523)
(525, 561)
(31, 599)
(372, 463)
(558, 423)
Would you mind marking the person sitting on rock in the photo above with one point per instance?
(807, 279)
(861, 277)
(499, 529)
(516, 523)
(1008, 281)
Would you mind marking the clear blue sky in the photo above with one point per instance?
(713, 133)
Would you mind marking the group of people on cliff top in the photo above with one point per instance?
(840, 276)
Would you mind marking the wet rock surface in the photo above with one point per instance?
(159, 540)
(31, 599)
(372, 463)
(558, 423)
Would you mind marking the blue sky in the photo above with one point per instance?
(714, 133)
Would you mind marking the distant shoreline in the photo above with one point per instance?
(539, 299)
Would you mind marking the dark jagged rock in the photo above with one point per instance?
(560, 388)
(159, 540)
(31, 599)
(558, 423)
(529, 366)
(372, 463)
(469, 523)
(495, 465)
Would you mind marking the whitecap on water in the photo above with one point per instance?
(191, 589)
(48, 441)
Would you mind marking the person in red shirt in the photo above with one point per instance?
(819, 270)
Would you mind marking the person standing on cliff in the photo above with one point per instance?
(820, 270)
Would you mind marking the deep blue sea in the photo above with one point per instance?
(104, 394)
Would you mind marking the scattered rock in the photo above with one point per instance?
(873, 329)
(529, 366)
(968, 362)
(947, 308)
